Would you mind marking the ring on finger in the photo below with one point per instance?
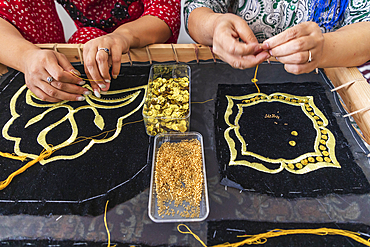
(104, 49)
(49, 79)
(309, 57)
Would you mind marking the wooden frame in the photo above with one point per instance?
(355, 96)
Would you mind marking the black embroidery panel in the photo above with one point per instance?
(107, 160)
(279, 143)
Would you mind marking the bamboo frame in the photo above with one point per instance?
(356, 95)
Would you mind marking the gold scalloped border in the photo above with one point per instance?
(324, 145)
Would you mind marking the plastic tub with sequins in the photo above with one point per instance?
(178, 187)
(167, 101)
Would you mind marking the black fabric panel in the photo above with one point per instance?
(114, 171)
(270, 137)
(223, 231)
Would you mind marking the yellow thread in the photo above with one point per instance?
(46, 153)
(255, 80)
(202, 102)
(106, 225)
(83, 78)
(190, 232)
(262, 237)
(13, 156)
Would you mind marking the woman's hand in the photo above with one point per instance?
(235, 43)
(39, 65)
(99, 55)
(300, 47)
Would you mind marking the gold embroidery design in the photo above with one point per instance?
(324, 145)
(120, 99)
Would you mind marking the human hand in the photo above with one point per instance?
(228, 29)
(39, 65)
(300, 47)
(99, 55)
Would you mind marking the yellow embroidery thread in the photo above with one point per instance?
(262, 237)
(106, 225)
(255, 80)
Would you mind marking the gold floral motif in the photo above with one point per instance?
(304, 163)
(92, 103)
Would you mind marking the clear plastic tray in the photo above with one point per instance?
(152, 206)
(155, 124)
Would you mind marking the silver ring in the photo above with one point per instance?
(49, 79)
(309, 57)
(104, 49)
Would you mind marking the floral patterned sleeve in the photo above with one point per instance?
(168, 11)
(218, 6)
(357, 11)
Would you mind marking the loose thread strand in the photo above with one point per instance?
(106, 225)
(190, 232)
(85, 79)
(201, 102)
(255, 80)
(262, 237)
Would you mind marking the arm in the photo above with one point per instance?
(223, 31)
(37, 65)
(347, 47)
(159, 23)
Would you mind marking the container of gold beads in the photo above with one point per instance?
(167, 102)
(178, 188)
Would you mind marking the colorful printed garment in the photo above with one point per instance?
(38, 21)
(267, 18)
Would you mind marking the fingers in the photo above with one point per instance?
(246, 53)
(299, 48)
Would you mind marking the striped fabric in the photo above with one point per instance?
(365, 70)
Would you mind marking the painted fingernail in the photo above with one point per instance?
(267, 45)
(96, 93)
(87, 92)
(102, 85)
(270, 52)
(81, 98)
(107, 80)
(104, 92)
(81, 83)
(114, 76)
(277, 58)
(76, 72)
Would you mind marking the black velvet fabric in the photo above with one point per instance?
(227, 231)
(69, 243)
(270, 137)
(115, 171)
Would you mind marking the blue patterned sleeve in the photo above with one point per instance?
(218, 6)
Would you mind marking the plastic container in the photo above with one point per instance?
(153, 203)
(167, 101)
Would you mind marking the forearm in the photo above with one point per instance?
(13, 46)
(347, 47)
(144, 31)
(201, 25)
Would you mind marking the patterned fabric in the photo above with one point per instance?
(365, 70)
(38, 21)
(267, 18)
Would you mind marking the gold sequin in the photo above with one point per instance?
(292, 143)
(294, 133)
(327, 159)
